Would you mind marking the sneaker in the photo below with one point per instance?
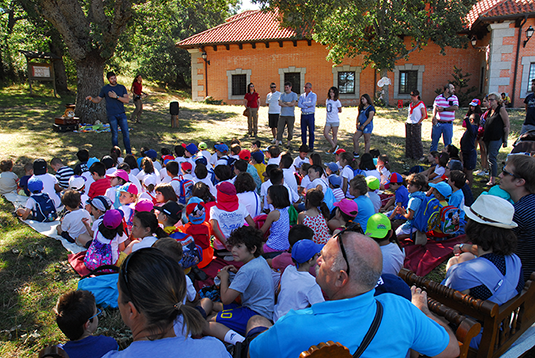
(336, 148)
(356, 155)
(274, 141)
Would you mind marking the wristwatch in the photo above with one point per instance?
(461, 247)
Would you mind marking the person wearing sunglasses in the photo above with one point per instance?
(77, 317)
(274, 110)
(152, 287)
(348, 270)
(518, 179)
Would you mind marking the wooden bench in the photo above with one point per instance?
(502, 325)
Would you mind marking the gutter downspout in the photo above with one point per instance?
(516, 59)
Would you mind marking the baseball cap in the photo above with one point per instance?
(222, 147)
(201, 160)
(171, 209)
(442, 187)
(192, 148)
(378, 226)
(101, 202)
(35, 185)
(340, 151)
(304, 148)
(129, 188)
(76, 182)
(112, 219)
(144, 205)
(245, 154)
(168, 157)
(396, 178)
(119, 173)
(335, 180)
(258, 156)
(186, 166)
(475, 102)
(202, 146)
(92, 161)
(304, 250)
(348, 207)
(148, 180)
(373, 183)
(151, 153)
(333, 166)
(39, 166)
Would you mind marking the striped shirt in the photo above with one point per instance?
(447, 116)
(63, 175)
(525, 232)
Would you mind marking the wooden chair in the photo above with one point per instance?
(502, 325)
(327, 350)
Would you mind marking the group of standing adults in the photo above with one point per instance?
(281, 113)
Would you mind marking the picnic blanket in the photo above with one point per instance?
(423, 259)
(44, 228)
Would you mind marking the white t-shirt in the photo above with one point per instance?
(142, 176)
(332, 111)
(164, 177)
(134, 171)
(349, 174)
(252, 202)
(157, 166)
(73, 224)
(208, 182)
(439, 171)
(228, 221)
(393, 258)
(374, 173)
(49, 181)
(178, 325)
(114, 243)
(275, 161)
(264, 190)
(213, 159)
(298, 162)
(305, 181)
(272, 100)
(146, 242)
(416, 114)
(290, 181)
(136, 182)
(298, 290)
(316, 182)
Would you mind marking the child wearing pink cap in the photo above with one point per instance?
(117, 179)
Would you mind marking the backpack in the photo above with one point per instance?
(186, 185)
(449, 220)
(44, 209)
(329, 198)
(200, 233)
(192, 254)
(427, 217)
(358, 172)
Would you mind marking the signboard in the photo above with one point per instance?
(41, 71)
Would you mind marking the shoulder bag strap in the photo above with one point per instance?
(371, 331)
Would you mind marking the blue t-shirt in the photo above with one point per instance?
(90, 347)
(288, 111)
(366, 210)
(113, 105)
(457, 199)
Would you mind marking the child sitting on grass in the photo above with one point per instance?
(98, 207)
(401, 197)
(8, 179)
(380, 229)
(72, 224)
(77, 317)
(358, 188)
(315, 216)
(23, 183)
(39, 206)
(117, 179)
(298, 287)
(297, 232)
(100, 183)
(277, 221)
(416, 183)
(253, 283)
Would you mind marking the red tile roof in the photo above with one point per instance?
(496, 8)
(248, 26)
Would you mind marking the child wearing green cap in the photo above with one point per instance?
(380, 229)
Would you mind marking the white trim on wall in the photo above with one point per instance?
(237, 71)
(291, 69)
(526, 64)
(347, 68)
(408, 67)
(195, 75)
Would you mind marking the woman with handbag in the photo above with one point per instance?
(252, 102)
(137, 92)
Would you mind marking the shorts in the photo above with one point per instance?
(235, 317)
(469, 159)
(273, 120)
(368, 129)
(332, 124)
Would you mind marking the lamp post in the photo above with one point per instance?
(206, 63)
(529, 33)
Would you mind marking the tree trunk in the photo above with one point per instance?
(384, 73)
(59, 65)
(90, 81)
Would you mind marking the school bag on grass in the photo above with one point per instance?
(44, 209)
(103, 286)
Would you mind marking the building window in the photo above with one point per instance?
(407, 81)
(531, 74)
(237, 81)
(346, 82)
(295, 79)
(239, 85)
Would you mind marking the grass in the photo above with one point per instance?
(34, 269)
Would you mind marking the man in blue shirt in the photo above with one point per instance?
(307, 103)
(116, 96)
(347, 271)
(287, 101)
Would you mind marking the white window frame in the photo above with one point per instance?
(282, 71)
(419, 80)
(237, 71)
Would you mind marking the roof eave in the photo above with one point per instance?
(189, 46)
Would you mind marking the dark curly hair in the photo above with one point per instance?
(244, 182)
(249, 236)
(500, 240)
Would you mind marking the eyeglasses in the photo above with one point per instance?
(273, 87)
(505, 172)
(354, 227)
(99, 311)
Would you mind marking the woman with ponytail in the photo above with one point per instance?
(152, 287)
(315, 216)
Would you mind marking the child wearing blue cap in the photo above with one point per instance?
(298, 287)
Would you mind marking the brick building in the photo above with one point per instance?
(252, 47)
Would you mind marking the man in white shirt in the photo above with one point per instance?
(307, 103)
(274, 111)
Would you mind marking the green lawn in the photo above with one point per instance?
(34, 269)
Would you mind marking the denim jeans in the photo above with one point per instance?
(123, 123)
(493, 147)
(307, 123)
(444, 130)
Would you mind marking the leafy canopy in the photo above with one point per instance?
(382, 31)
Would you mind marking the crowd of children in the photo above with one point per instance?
(265, 211)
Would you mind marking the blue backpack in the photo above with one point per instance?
(186, 186)
(191, 253)
(44, 209)
(427, 217)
